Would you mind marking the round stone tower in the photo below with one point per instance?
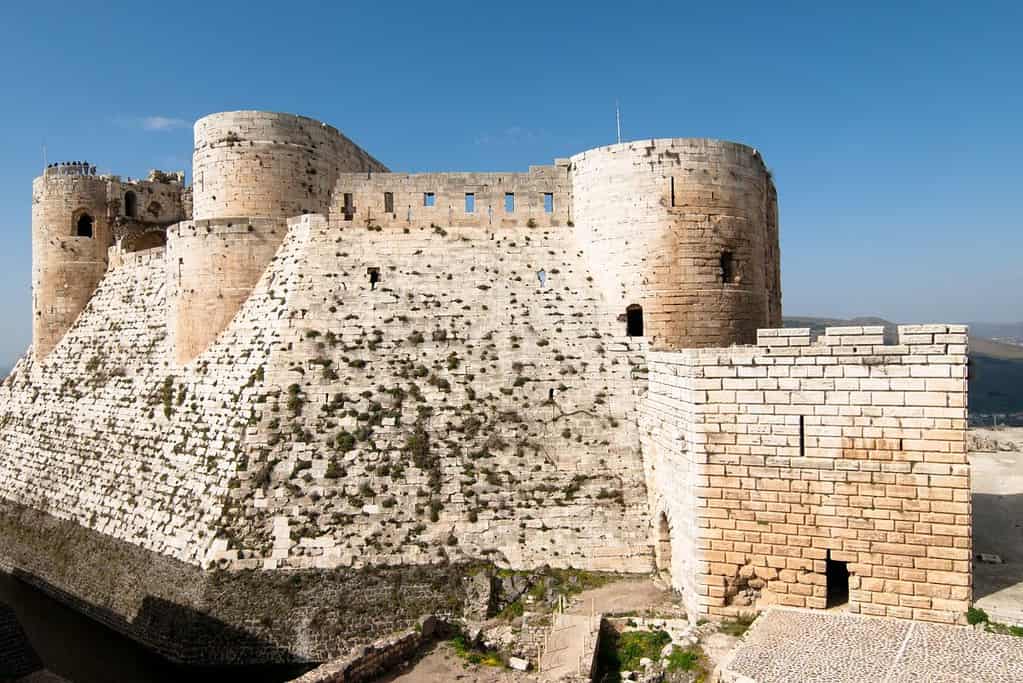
(683, 236)
(251, 171)
(267, 165)
(71, 233)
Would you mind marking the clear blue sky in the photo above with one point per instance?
(893, 133)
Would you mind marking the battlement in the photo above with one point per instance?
(70, 168)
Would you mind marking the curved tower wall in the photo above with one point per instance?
(65, 267)
(251, 171)
(658, 220)
(262, 164)
(212, 266)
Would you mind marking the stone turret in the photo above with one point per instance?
(70, 237)
(684, 235)
(251, 171)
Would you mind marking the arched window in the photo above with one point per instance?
(83, 226)
(634, 321)
(131, 204)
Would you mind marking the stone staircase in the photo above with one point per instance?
(570, 648)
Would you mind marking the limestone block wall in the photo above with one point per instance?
(845, 448)
(687, 229)
(455, 408)
(65, 267)
(264, 164)
(673, 475)
(212, 267)
(395, 199)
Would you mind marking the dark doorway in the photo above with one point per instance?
(634, 321)
(349, 206)
(837, 576)
(83, 227)
(374, 277)
(131, 204)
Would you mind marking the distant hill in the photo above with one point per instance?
(998, 330)
(996, 369)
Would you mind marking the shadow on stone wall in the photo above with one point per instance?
(220, 618)
(998, 530)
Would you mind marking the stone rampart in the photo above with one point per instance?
(808, 455)
(212, 268)
(541, 198)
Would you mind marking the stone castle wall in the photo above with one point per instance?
(268, 165)
(368, 199)
(212, 267)
(661, 216)
(845, 448)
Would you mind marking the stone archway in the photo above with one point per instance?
(662, 547)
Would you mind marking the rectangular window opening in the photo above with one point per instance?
(429, 199)
(671, 182)
(470, 202)
(727, 267)
(509, 202)
(388, 202)
(349, 206)
(548, 202)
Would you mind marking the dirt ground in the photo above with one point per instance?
(440, 663)
(627, 595)
(998, 526)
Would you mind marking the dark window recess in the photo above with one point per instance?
(634, 321)
(388, 202)
(671, 183)
(374, 277)
(727, 267)
(550, 394)
(83, 227)
(349, 206)
(837, 577)
(131, 204)
(548, 202)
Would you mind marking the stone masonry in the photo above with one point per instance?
(306, 367)
(791, 453)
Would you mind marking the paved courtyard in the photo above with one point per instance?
(797, 646)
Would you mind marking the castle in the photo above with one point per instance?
(281, 410)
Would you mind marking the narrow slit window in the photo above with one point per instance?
(727, 267)
(429, 199)
(388, 202)
(349, 206)
(470, 202)
(548, 202)
(802, 438)
(509, 202)
(671, 184)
